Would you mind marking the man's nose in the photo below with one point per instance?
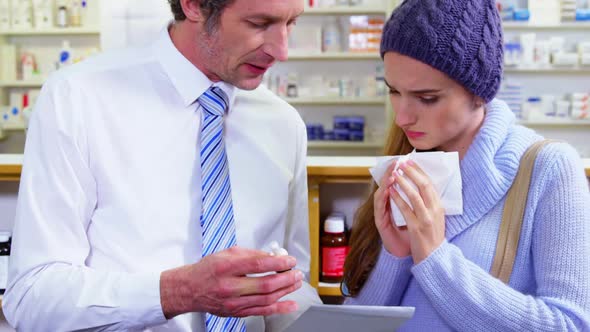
(277, 45)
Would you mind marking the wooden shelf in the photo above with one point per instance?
(561, 26)
(377, 101)
(331, 290)
(345, 10)
(548, 71)
(51, 31)
(295, 56)
(343, 145)
(21, 84)
(11, 169)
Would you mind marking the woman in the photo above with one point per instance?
(443, 64)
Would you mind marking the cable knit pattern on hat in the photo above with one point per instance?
(549, 289)
(461, 38)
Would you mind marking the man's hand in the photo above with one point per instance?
(218, 285)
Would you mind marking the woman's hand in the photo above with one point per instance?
(426, 222)
(395, 240)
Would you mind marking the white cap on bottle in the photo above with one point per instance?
(334, 225)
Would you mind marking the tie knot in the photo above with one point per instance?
(214, 101)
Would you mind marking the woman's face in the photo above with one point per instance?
(433, 110)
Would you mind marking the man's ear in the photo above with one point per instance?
(192, 10)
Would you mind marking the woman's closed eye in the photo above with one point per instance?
(428, 100)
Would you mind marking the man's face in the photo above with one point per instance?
(250, 37)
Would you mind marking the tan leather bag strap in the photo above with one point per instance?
(513, 214)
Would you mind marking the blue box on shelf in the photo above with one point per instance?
(357, 136)
(314, 131)
(357, 123)
(341, 134)
(522, 14)
(328, 135)
(341, 122)
(582, 14)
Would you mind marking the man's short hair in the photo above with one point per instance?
(212, 9)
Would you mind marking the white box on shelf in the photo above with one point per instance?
(306, 39)
(543, 53)
(545, 12)
(584, 47)
(371, 3)
(527, 42)
(8, 62)
(5, 14)
(22, 15)
(16, 99)
(565, 59)
(43, 13)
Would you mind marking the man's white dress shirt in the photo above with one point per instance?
(110, 191)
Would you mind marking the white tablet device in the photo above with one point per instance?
(351, 318)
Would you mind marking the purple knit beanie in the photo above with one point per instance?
(461, 38)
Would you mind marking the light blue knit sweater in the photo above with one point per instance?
(550, 285)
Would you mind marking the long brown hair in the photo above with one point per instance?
(365, 242)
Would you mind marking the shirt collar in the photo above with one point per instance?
(186, 78)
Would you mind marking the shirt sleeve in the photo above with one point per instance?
(470, 299)
(297, 236)
(386, 283)
(50, 288)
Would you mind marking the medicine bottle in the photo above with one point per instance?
(331, 36)
(76, 13)
(62, 16)
(4, 255)
(334, 244)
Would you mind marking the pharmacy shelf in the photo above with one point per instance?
(549, 71)
(346, 10)
(561, 26)
(556, 123)
(343, 145)
(21, 84)
(51, 31)
(326, 101)
(334, 56)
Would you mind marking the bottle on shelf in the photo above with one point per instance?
(331, 40)
(28, 66)
(62, 15)
(292, 91)
(84, 6)
(65, 55)
(334, 248)
(76, 13)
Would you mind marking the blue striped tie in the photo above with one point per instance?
(217, 215)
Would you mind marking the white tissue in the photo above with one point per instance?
(444, 172)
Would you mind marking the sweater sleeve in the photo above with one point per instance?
(470, 299)
(386, 283)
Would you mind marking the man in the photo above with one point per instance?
(143, 167)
